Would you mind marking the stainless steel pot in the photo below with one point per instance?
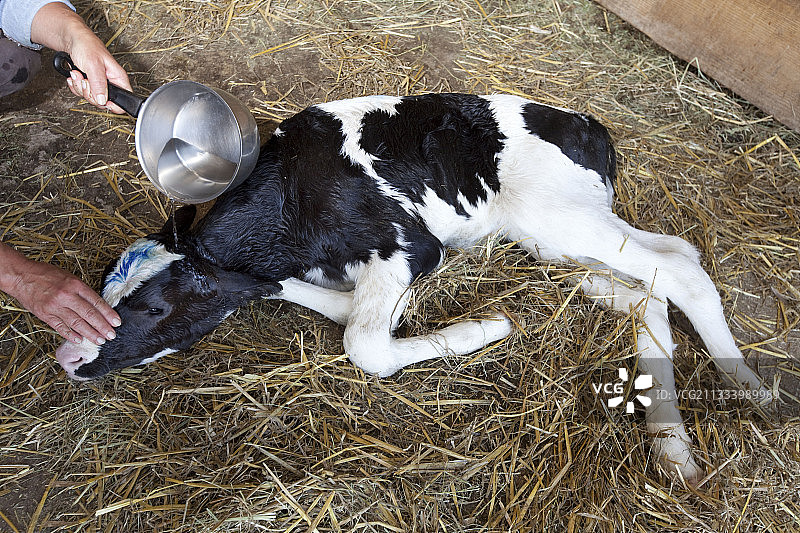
(193, 142)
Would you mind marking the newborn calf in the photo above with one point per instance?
(353, 200)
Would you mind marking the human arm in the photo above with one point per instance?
(57, 297)
(57, 26)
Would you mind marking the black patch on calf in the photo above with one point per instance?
(245, 230)
(330, 213)
(307, 206)
(580, 137)
(445, 142)
(425, 251)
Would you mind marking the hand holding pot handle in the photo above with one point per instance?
(122, 97)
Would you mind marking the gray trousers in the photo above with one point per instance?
(18, 66)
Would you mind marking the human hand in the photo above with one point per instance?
(58, 27)
(90, 55)
(64, 302)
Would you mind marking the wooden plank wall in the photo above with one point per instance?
(750, 46)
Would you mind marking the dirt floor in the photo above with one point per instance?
(265, 425)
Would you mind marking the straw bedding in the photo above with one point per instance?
(265, 425)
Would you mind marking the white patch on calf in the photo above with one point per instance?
(539, 184)
(71, 355)
(351, 114)
(141, 261)
(317, 277)
(453, 229)
(162, 353)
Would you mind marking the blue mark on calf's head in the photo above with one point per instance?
(141, 261)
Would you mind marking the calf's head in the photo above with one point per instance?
(167, 295)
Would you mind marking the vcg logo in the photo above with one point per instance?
(616, 390)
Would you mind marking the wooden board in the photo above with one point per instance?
(750, 46)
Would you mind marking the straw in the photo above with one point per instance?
(264, 425)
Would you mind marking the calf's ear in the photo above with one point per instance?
(243, 287)
(106, 272)
(179, 222)
(184, 217)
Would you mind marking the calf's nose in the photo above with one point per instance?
(71, 356)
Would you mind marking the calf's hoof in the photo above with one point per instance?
(675, 455)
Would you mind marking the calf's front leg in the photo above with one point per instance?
(333, 304)
(379, 298)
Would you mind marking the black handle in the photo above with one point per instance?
(128, 101)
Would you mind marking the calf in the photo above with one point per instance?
(351, 201)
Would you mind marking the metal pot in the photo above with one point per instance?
(193, 142)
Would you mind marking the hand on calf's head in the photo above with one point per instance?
(166, 300)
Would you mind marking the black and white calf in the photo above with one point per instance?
(353, 200)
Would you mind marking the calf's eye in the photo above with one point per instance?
(155, 311)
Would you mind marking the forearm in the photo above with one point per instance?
(16, 18)
(57, 297)
(12, 264)
(56, 26)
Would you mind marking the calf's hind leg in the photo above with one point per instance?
(669, 263)
(379, 298)
(671, 443)
(670, 266)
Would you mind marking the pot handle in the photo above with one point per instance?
(122, 97)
